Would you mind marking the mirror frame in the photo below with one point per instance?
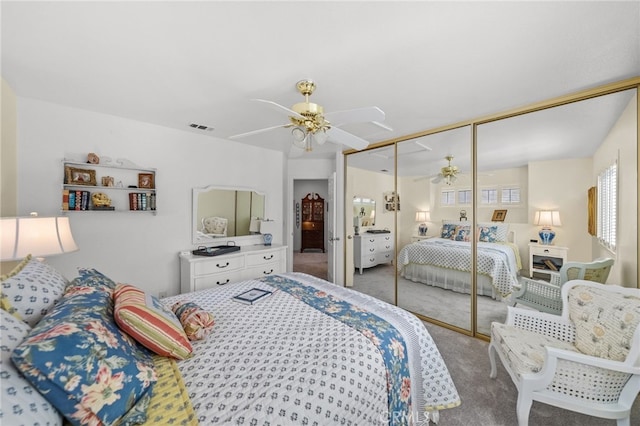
(619, 86)
(198, 239)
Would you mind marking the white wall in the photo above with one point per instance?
(140, 249)
(621, 144)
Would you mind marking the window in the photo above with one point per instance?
(464, 196)
(489, 196)
(608, 206)
(510, 195)
(448, 197)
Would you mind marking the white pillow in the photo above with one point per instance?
(22, 404)
(33, 290)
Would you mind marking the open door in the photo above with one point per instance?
(331, 229)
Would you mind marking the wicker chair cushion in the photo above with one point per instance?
(525, 349)
(215, 225)
(605, 321)
(598, 275)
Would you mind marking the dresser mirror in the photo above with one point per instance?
(364, 211)
(221, 212)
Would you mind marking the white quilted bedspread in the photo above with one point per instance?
(498, 261)
(282, 362)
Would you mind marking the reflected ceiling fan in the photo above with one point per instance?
(310, 124)
(448, 173)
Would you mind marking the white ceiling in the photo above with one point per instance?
(424, 63)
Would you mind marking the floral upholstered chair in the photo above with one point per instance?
(214, 226)
(586, 360)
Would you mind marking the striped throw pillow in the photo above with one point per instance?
(149, 322)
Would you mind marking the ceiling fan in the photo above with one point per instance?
(447, 173)
(311, 124)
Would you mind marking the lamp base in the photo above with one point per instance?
(267, 239)
(422, 229)
(546, 236)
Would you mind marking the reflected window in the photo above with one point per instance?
(464, 196)
(608, 206)
(510, 195)
(489, 196)
(447, 197)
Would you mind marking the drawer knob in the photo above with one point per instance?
(546, 250)
(219, 283)
(222, 266)
(267, 258)
(267, 272)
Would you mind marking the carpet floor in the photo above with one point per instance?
(311, 263)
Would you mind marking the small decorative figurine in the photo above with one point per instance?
(93, 158)
(100, 199)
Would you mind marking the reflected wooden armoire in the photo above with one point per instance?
(312, 222)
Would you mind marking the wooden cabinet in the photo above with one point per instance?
(312, 223)
(201, 272)
(372, 249)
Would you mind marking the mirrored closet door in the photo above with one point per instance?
(434, 238)
(464, 204)
(371, 204)
(566, 147)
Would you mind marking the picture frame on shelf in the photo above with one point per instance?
(76, 176)
(499, 216)
(145, 180)
(108, 181)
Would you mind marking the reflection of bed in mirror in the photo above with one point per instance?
(445, 261)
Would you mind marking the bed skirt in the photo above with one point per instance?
(449, 279)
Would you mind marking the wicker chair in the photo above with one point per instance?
(546, 297)
(586, 360)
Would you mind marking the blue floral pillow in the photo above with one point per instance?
(448, 231)
(462, 233)
(77, 357)
(487, 234)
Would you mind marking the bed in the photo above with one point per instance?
(310, 353)
(445, 261)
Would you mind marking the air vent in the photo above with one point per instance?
(201, 127)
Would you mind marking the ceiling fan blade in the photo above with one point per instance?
(279, 108)
(437, 179)
(357, 115)
(337, 135)
(255, 132)
(383, 126)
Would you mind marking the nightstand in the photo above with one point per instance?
(546, 259)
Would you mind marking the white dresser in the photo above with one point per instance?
(201, 272)
(372, 249)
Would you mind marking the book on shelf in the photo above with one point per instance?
(72, 200)
(65, 199)
(252, 296)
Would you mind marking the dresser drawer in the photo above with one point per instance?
(214, 280)
(264, 270)
(224, 264)
(263, 258)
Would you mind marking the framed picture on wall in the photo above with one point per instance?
(499, 215)
(145, 180)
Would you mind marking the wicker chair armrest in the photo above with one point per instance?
(540, 287)
(589, 360)
(547, 324)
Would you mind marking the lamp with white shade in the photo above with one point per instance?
(39, 236)
(547, 219)
(422, 217)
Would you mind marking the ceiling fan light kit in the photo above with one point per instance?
(311, 125)
(447, 173)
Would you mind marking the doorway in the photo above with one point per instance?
(311, 261)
